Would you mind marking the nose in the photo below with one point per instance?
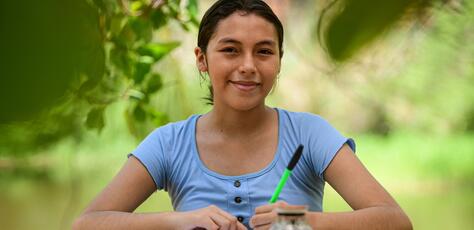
(247, 65)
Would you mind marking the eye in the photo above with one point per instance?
(266, 52)
(230, 50)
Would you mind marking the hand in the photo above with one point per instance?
(265, 215)
(210, 218)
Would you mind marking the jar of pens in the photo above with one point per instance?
(291, 219)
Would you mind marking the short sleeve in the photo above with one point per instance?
(324, 141)
(151, 153)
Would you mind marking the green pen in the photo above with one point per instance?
(287, 173)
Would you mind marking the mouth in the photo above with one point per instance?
(245, 85)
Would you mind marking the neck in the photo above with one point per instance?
(239, 123)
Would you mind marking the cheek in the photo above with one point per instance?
(218, 69)
(271, 69)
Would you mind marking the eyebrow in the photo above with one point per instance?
(269, 42)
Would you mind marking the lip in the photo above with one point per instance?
(245, 85)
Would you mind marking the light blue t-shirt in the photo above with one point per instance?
(170, 155)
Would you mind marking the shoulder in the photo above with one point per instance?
(308, 127)
(176, 128)
(303, 119)
(171, 134)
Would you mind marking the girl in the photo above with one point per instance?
(220, 168)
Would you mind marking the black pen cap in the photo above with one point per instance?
(295, 158)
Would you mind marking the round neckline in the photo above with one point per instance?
(243, 176)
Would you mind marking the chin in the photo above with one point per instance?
(246, 105)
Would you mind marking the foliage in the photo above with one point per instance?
(68, 61)
(128, 27)
(417, 76)
(434, 91)
(101, 51)
(45, 46)
(349, 25)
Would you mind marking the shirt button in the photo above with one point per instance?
(237, 183)
(238, 199)
(240, 219)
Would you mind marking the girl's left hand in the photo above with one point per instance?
(265, 215)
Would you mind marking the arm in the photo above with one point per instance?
(373, 206)
(113, 207)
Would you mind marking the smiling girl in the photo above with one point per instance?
(220, 168)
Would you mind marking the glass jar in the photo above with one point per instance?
(291, 219)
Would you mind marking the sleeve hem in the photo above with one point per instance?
(149, 173)
(348, 141)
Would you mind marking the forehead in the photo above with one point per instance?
(245, 27)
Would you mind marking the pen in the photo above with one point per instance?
(287, 173)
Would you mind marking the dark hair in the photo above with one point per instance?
(224, 8)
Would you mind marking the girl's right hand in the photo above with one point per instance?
(210, 218)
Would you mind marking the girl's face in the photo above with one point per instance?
(242, 60)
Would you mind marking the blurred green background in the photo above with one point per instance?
(83, 81)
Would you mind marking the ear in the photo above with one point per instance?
(200, 59)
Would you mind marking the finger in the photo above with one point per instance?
(281, 204)
(264, 208)
(196, 220)
(262, 219)
(227, 215)
(270, 207)
(233, 222)
(262, 227)
(221, 221)
(241, 226)
(233, 225)
(293, 207)
(207, 225)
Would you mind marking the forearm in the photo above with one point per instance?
(124, 220)
(382, 217)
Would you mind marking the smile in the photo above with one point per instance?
(245, 85)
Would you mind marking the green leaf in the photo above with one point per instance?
(158, 18)
(159, 118)
(136, 95)
(184, 26)
(46, 46)
(157, 50)
(95, 118)
(358, 23)
(142, 68)
(173, 7)
(139, 113)
(192, 8)
(117, 23)
(193, 11)
(122, 60)
(136, 6)
(88, 85)
(142, 28)
(153, 83)
(108, 7)
(127, 36)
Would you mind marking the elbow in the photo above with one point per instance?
(407, 225)
(79, 223)
(404, 221)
